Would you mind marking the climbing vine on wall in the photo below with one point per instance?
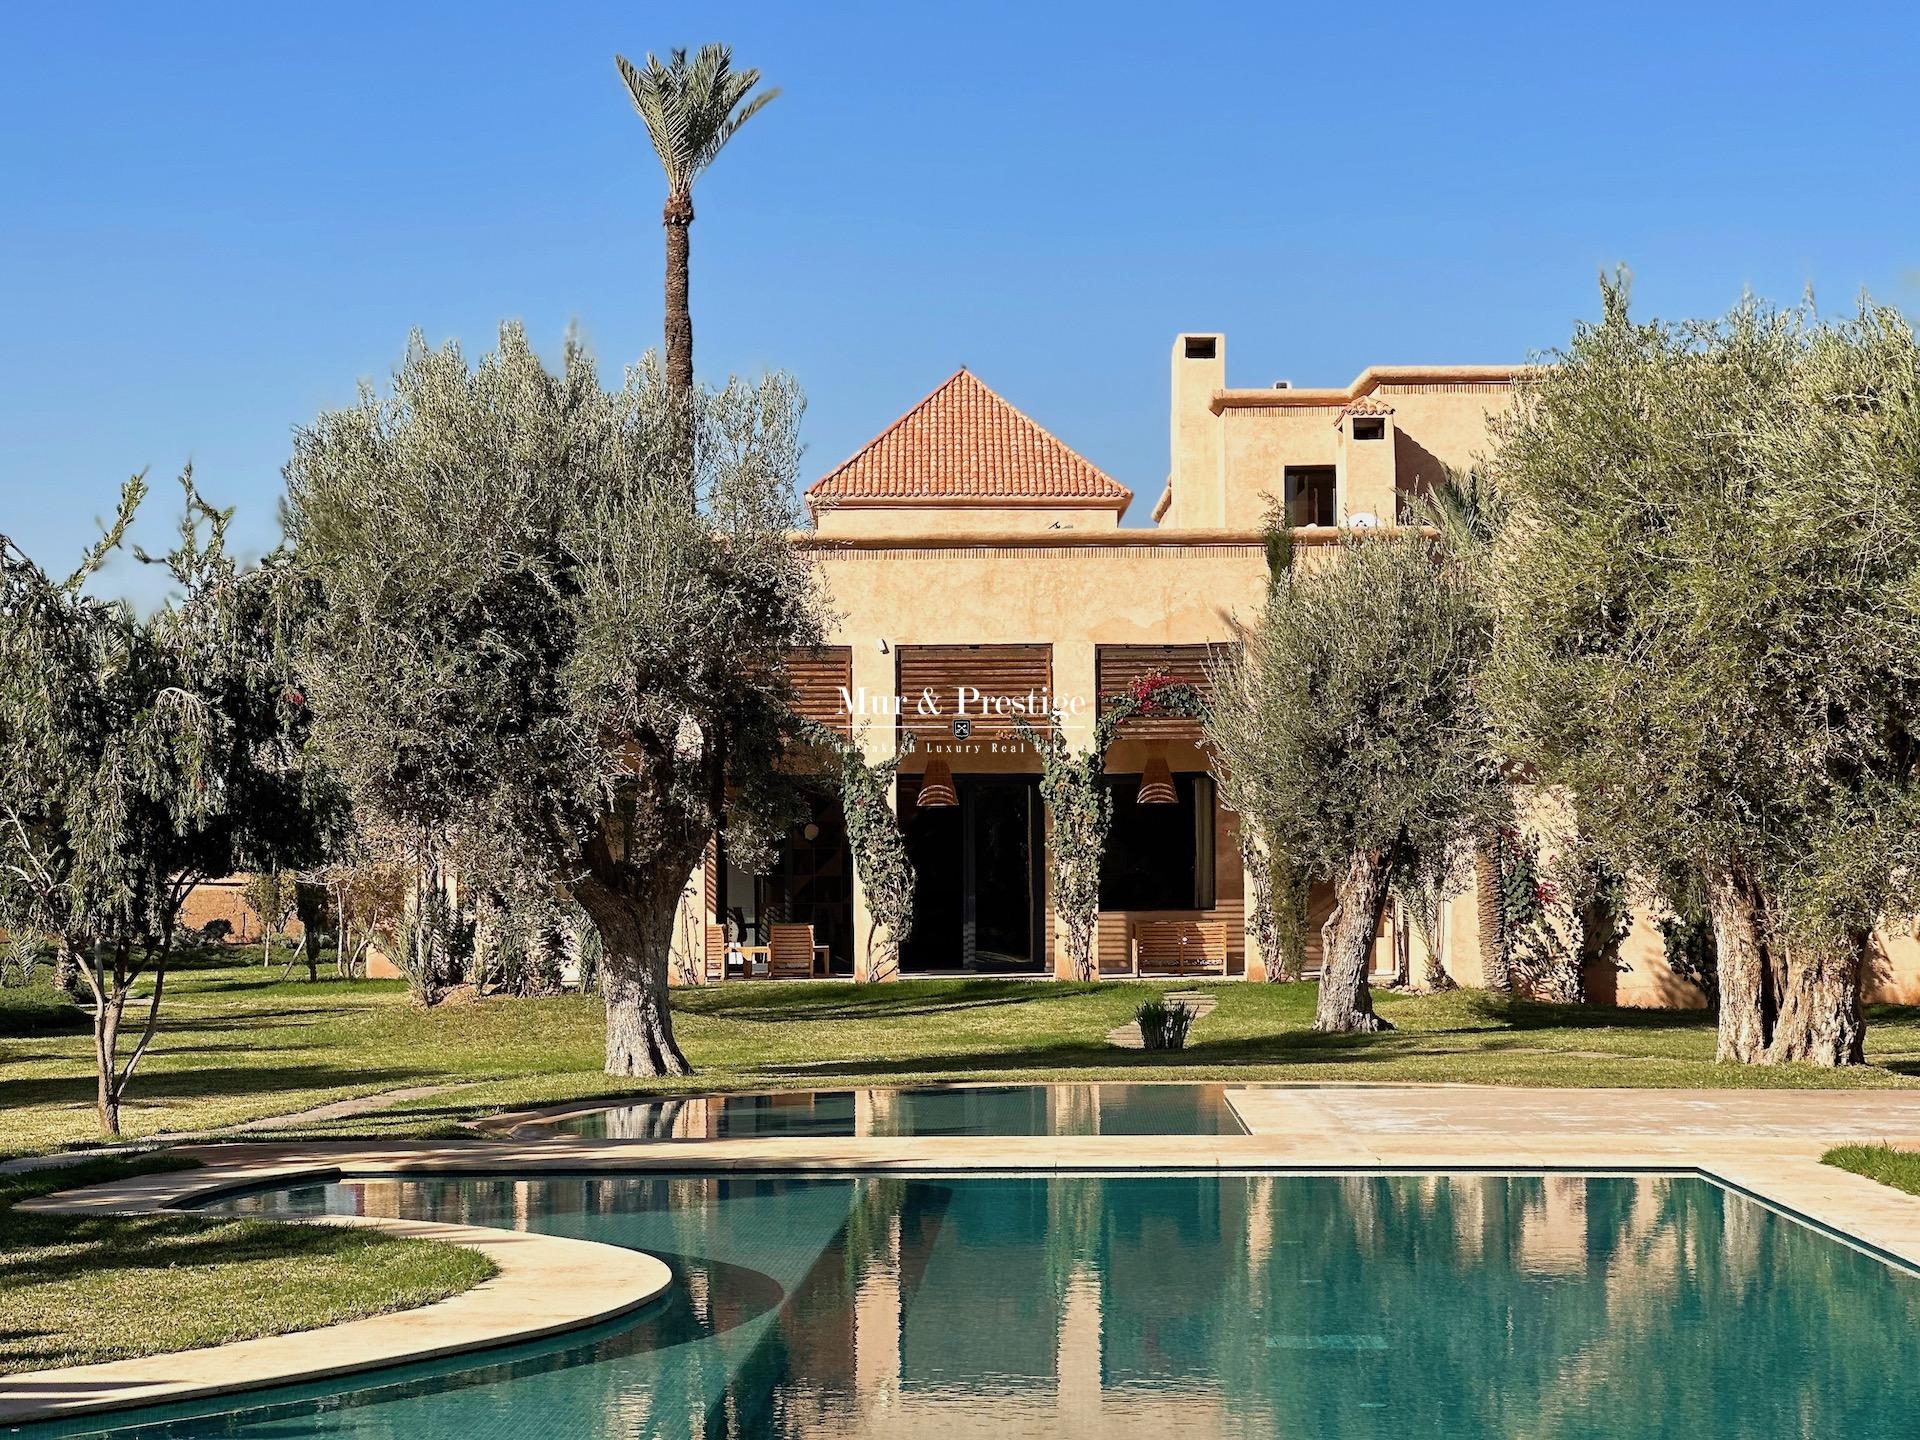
(1277, 896)
(1080, 810)
(1287, 896)
(1687, 941)
(879, 849)
(1559, 915)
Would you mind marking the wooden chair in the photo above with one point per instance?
(792, 952)
(716, 956)
(1180, 947)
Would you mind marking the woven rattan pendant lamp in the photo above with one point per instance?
(936, 786)
(1156, 781)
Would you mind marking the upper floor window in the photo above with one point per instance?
(1369, 429)
(1309, 495)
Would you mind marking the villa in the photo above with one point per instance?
(979, 576)
(979, 572)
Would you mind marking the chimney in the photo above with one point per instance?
(1194, 474)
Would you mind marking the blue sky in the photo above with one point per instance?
(218, 219)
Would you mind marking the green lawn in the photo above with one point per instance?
(74, 1290)
(237, 1043)
(1898, 1168)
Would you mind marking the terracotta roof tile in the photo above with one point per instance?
(1365, 405)
(964, 443)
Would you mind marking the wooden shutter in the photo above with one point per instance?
(1118, 666)
(819, 675)
(1009, 672)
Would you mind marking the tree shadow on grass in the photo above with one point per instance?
(1534, 1015)
(1278, 1050)
(777, 1001)
(1068, 1056)
(182, 1019)
(329, 987)
(161, 1242)
(218, 1083)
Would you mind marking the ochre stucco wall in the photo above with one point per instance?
(1032, 589)
(1072, 597)
(852, 521)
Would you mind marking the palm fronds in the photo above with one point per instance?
(692, 107)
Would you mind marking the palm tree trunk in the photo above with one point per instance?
(1496, 973)
(677, 217)
(66, 969)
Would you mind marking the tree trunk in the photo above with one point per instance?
(677, 217)
(1345, 1006)
(310, 904)
(424, 928)
(1400, 936)
(636, 935)
(1496, 973)
(1820, 1021)
(1746, 998)
(107, 1011)
(66, 970)
(110, 988)
(1261, 925)
(1426, 906)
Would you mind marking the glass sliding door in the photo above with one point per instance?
(980, 896)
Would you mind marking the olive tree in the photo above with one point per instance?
(530, 631)
(141, 754)
(1709, 633)
(1346, 724)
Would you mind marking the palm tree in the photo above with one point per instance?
(691, 109)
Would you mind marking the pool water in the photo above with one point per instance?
(948, 1110)
(1189, 1306)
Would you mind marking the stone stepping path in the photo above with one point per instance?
(338, 1109)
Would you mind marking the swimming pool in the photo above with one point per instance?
(1355, 1307)
(1118, 1109)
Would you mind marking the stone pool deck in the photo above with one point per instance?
(1766, 1144)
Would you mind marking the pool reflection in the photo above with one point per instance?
(1084, 1109)
(1230, 1306)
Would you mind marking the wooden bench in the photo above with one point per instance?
(1180, 947)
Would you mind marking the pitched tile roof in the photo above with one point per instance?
(964, 444)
